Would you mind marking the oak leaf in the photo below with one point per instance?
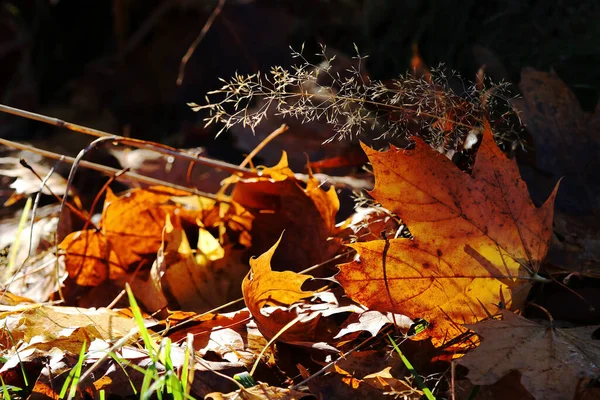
(551, 360)
(478, 238)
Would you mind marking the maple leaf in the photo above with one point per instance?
(281, 202)
(275, 299)
(565, 138)
(264, 287)
(551, 360)
(131, 229)
(478, 238)
(566, 145)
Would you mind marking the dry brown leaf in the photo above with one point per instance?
(478, 238)
(355, 374)
(232, 221)
(133, 222)
(384, 381)
(226, 335)
(131, 232)
(261, 391)
(551, 360)
(372, 322)
(280, 202)
(565, 138)
(26, 183)
(566, 145)
(89, 259)
(43, 327)
(9, 299)
(200, 279)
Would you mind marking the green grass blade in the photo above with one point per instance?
(139, 319)
(73, 379)
(412, 370)
(12, 255)
(5, 392)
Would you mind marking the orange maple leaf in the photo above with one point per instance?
(131, 229)
(263, 287)
(478, 238)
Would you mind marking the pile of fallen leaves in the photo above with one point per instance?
(436, 289)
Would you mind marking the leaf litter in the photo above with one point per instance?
(446, 255)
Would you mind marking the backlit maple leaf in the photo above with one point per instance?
(479, 239)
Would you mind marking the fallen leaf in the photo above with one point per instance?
(280, 202)
(131, 232)
(170, 169)
(384, 381)
(89, 259)
(26, 183)
(198, 279)
(355, 376)
(133, 222)
(263, 287)
(226, 335)
(566, 143)
(261, 391)
(565, 138)
(9, 299)
(478, 238)
(36, 329)
(551, 360)
(372, 322)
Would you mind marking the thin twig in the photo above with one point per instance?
(262, 144)
(137, 143)
(110, 171)
(192, 48)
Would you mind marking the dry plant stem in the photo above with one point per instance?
(273, 339)
(120, 343)
(196, 42)
(452, 381)
(264, 143)
(108, 170)
(544, 311)
(255, 151)
(71, 207)
(140, 144)
(36, 203)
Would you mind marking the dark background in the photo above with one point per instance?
(113, 64)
